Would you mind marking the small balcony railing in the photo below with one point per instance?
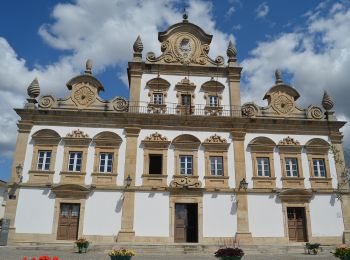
(188, 110)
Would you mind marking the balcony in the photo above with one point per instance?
(178, 109)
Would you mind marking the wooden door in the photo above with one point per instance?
(297, 224)
(180, 223)
(68, 222)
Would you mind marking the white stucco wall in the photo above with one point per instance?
(103, 212)
(174, 79)
(35, 211)
(265, 216)
(151, 216)
(63, 131)
(170, 134)
(303, 139)
(326, 216)
(219, 215)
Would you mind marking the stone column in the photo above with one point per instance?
(336, 139)
(243, 234)
(234, 77)
(135, 74)
(24, 128)
(127, 233)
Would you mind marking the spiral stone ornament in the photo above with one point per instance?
(34, 89)
(46, 102)
(250, 110)
(121, 104)
(315, 112)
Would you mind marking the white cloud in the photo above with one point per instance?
(262, 10)
(101, 30)
(317, 58)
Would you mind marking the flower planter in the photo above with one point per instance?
(346, 258)
(82, 248)
(231, 257)
(118, 257)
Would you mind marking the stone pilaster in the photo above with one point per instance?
(127, 233)
(243, 234)
(24, 128)
(135, 74)
(336, 139)
(234, 77)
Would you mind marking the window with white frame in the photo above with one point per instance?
(158, 98)
(186, 164)
(216, 163)
(319, 168)
(213, 101)
(44, 160)
(263, 164)
(106, 162)
(75, 161)
(291, 167)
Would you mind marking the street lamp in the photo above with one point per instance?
(128, 181)
(243, 184)
(19, 169)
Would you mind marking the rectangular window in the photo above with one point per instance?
(158, 98)
(319, 168)
(106, 162)
(263, 166)
(75, 160)
(216, 168)
(213, 101)
(44, 160)
(186, 164)
(155, 164)
(186, 100)
(292, 167)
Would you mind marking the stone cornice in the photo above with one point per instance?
(104, 119)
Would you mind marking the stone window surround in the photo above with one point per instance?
(319, 149)
(266, 150)
(185, 87)
(213, 88)
(157, 85)
(158, 145)
(44, 140)
(291, 151)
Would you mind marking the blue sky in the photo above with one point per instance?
(308, 40)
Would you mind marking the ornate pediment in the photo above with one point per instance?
(216, 139)
(185, 85)
(289, 141)
(185, 43)
(156, 137)
(77, 134)
(75, 191)
(185, 182)
(295, 195)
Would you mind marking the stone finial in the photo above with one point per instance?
(327, 101)
(278, 77)
(138, 46)
(185, 16)
(88, 66)
(34, 89)
(231, 52)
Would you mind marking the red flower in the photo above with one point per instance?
(24, 258)
(55, 258)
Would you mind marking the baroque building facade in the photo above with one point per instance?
(181, 161)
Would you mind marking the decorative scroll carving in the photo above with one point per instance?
(156, 137)
(250, 110)
(120, 104)
(185, 182)
(46, 101)
(77, 134)
(83, 96)
(315, 112)
(288, 141)
(215, 139)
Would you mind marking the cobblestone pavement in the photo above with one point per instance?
(7, 253)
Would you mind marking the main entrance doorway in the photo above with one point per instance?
(297, 224)
(186, 223)
(68, 222)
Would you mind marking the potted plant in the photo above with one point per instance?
(229, 253)
(121, 254)
(342, 252)
(82, 245)
(312, 248)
